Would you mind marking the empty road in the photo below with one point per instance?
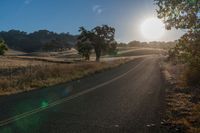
(126, 99)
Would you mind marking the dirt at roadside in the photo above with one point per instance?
(183, 102)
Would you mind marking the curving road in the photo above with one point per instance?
(126, 99)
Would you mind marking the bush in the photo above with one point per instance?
(3, 47)
(192, 76)
(187, 51)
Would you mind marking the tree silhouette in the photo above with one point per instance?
(99, 37)
(85, 49)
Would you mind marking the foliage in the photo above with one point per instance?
(112, 48)
(85, 50)
(3, 47)
(181, 14)
(56, 45)
(192, 76)
(99, 37)
(37, 40)
(184, 14)
(187, 49)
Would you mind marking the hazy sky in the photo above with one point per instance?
(68, 15)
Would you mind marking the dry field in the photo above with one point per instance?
(10, 62)
(135, 51)
(23, 72)
(18, 75)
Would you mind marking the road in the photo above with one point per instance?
(126, 99)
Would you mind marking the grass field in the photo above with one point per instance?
(20, 79)
(23, 72)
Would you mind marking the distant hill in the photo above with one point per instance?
(42, 40)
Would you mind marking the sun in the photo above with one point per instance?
(152, 29)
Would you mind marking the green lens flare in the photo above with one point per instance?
(44, 104)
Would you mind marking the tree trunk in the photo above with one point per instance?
(87, 57)
(98, 54)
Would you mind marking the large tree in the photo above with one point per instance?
(184, 14)
(99, 37)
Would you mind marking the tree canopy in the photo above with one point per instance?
(100, 37)
(184, 14)
(181, 14)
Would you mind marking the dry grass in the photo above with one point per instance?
(32, 76)
(183, 102)
(175, 73)
(182, 111)
(7, 62)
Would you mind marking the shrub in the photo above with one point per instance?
(192, 76)
(3, 47)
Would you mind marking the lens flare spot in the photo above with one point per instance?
(44, 104)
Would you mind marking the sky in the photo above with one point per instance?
(68, 15)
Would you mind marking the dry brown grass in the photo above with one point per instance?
(6, 62)
(182, 111)
(183, 102)
(175, 73)
(30, 77)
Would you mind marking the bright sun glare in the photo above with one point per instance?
(152, 29)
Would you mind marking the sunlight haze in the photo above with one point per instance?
(68, 15)
(152, 29)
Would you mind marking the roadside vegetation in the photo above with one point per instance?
(3, 47)
(183, 101)
(32, 76)
(183, 66)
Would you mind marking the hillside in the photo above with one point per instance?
(42, 40)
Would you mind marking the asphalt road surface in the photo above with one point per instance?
(126, 99)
